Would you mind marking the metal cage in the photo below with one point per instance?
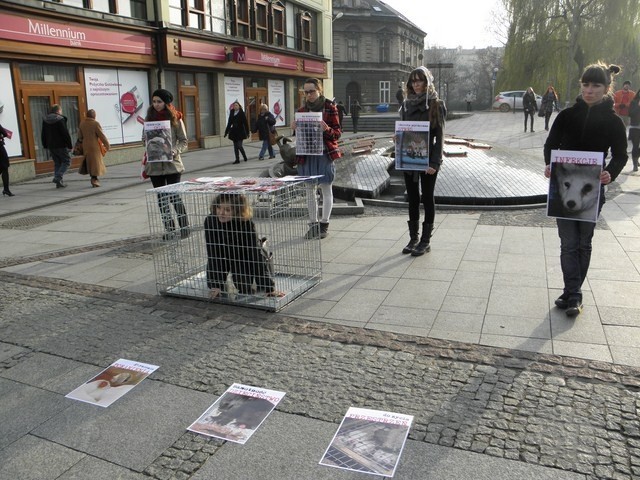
(265, 262)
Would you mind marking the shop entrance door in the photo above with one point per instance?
(189, 104)
(254, 98)
(37, 102)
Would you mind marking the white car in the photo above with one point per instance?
(505, 101)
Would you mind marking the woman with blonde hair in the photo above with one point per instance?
(90, 134)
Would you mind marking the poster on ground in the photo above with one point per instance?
(238, 413)
(412, 145)
(368, 441)
(574, 186)
(157, 141)
(309, 135)
(113, 382)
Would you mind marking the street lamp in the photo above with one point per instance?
(493, 85)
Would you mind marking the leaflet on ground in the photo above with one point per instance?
(238, 413)
(113, 382)
(368, 441)
(574, 185)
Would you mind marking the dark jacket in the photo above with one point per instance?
(55, 133)
(549, 102)
(595, 129)
(634, 113)
(237, 126)
(420, 113)
(264, 124)
(4, 157)
(233, 247)
(529, 103)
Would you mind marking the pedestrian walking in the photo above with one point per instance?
(233, 248)
(342, 111)
(4, 164)
(469, 99)
(622, 100)
(530, 107)
(549, 104)
(590, 125)
(400, 95)
(168, 172)
(264, 125)
(91, 136)
(634, 129)
(320, 164)
(56, 138)
(355, 115)
(237, 130)
(423, 105)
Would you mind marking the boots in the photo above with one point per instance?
(635, 164)
(169, 227)
(324, 229)
(183, 219)
(413, 235)
(423, 246)
(314, 231)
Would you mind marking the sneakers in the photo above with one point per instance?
(574, 307)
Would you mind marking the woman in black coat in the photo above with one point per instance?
(4, 164)
(237, 130)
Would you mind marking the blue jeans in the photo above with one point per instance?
(575, 254)
(266, 145)
(61, 161)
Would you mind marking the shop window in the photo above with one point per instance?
(32, 72)
(205, 102)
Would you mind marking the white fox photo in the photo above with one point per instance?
(577, 191)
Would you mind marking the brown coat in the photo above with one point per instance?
(88, 133)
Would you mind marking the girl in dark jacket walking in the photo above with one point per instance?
(422, 104)
(264, 125)
(237, 130)
(4, 164)
(591, 125)
(530, 107)
(233, 247)
(549, 103)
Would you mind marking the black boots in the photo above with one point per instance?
(413, 235)
(635, 164)
(314, 231)
(423, 246)
(324, 229)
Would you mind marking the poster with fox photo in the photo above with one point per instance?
(574, 185)
(238, 413)
(412, 145)
(368, 441)
(157, 136)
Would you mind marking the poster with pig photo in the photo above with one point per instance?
(277, 101)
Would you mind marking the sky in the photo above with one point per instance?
(452, 23)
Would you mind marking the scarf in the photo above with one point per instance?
(317, 106)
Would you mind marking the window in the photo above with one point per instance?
(195, 13)
(385, 91)
(304, 29)
(383, 50)
(352, 49)
(279, 30)
(126, 8)
(241, 22)
(403, 50)
(262, 21)
(31, 72)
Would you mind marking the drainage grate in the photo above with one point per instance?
(31, 221)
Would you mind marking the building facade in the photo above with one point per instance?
(109, 55)
(374, 50)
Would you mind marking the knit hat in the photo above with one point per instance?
(164, 95)
(427, 74)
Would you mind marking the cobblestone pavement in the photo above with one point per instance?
(574, 415)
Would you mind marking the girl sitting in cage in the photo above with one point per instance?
(233, 247)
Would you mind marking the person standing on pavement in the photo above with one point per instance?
(634, 129)
(90, 134)
(322, 165)
(422, 104)
(590, 125)
(355, 114)
(549, 104)
(469, 99)
(264, 125)
(237, 130)
(342, 111)
(164, 173)
(4, 164)
(530, 107)
(56, 138)
(622, 99)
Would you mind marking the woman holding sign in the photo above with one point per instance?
(422, 104)
(590, 125)
(165, 167)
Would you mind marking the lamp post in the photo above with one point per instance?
(493, 86)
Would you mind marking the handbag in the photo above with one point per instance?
(542, 111)
(77, 148)
(103, 147)
(273, 137)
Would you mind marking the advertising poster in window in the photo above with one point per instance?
(8, 114)
(277, 100)
(120, 99)
(574, 185)
(233, 92)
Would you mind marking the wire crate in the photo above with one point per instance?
(222, 259)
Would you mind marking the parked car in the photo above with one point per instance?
(504, 101)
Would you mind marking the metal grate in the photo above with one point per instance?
(31, 221)
(225, 258)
